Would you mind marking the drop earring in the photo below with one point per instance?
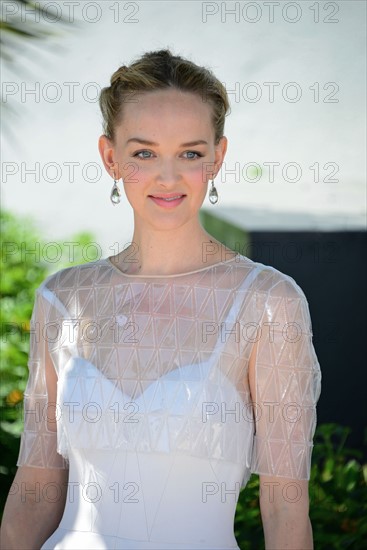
(115, 193)
(213, 194)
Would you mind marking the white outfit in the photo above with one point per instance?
(154, 417)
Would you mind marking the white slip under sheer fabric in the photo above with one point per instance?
(153, 394)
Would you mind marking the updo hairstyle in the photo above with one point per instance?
(160, 70)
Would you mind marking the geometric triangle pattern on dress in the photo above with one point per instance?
(135, 378)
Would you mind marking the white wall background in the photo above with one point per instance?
(239, 52)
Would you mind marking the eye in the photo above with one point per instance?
(144, 156)
(198, 155)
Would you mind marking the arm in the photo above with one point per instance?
(284, 503)
(36, 501)
(34, 507)
(284, 380)
(284, 506)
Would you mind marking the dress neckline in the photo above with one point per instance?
(132, 276)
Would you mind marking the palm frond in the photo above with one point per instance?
(17, 27)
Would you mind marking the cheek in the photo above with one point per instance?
(137, 174)
(197, 175)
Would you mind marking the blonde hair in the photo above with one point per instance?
(158, 70)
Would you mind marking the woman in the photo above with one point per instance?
(169, 372)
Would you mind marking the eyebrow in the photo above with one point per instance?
(147, 142)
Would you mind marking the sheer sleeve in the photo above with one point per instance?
(38, 447)
(287, 385)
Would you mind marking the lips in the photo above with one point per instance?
(167, 200)
(169, 196)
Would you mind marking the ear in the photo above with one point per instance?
(220, 153)
(106, 150)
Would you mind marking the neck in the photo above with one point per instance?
(169, 252)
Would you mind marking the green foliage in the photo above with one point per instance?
(338, 491)
(22, 271)
(338, 497)
(248, 527)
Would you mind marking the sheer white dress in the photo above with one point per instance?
(154, 418)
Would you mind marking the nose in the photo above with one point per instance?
(167, 173)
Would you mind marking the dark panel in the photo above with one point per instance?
(331, 270)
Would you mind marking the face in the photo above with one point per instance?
(164, 148)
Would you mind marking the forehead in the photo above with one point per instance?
(166, 111)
